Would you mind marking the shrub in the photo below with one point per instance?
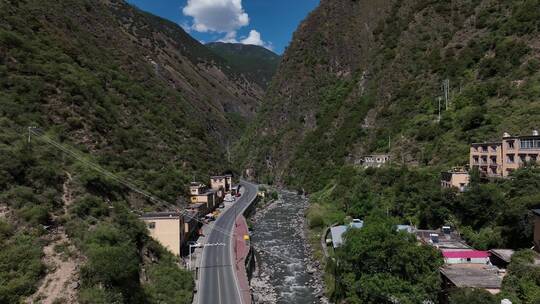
(20, 268)
(469, 295)
(168, 284)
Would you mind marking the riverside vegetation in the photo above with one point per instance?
(363, 77)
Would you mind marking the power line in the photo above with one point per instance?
(35, 131)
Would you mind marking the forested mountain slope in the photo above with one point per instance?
(364, 76)
(256, 62)
(130, 92)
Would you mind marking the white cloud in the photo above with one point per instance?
(254, 38)
(230, 37)
(223, 16)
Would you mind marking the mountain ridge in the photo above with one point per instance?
(256, 62)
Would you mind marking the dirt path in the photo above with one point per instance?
(62, 259)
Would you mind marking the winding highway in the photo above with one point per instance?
(218, 281)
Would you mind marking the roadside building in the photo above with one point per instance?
(467, 256)
(501, 257)
(456, 178)
(196, 188)
(209, 198)
(167, 228)
(223, 182)
(472, 276)
(500, 158)
(375, 160)
(536, 235)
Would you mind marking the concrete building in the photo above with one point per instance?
(467, 256)
(472, 276)
(500, 158)
(221, 182)
(456, 178)
(167, 228)
(171, 229)
(536, 237)
(209, 198)
(196, 188)
(501, 257)
(375, 160)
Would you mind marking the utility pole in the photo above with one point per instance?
(228, 152)
(439, 117)
(446, 89)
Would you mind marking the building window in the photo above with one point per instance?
(152, 225)
(510, 158)
(533, 157)
(527, 144)
(511, 145)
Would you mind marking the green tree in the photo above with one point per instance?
(471, 296)
(377, 264)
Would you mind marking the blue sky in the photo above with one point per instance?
(269, 23)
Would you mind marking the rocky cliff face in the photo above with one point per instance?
(365, 76)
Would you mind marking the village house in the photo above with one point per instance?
(170, 229)
(456, 178)
(375, 160)
(468, 256)
(472, 275)
(223, 182)
(201, 194)
(500, 158)
(501, 257)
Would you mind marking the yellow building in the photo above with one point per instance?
(209, 198)
(499, 159)
(168, 228)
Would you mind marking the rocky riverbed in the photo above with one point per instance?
(286, 271)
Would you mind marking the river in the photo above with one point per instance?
(284, 273)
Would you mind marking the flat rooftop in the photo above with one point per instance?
(473, 275)
(163, 215)
(450, 240)
(503, 254)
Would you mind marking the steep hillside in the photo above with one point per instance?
(257, 63)
(130, 92)
(364, 76)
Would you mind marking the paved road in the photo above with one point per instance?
(218, 282)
